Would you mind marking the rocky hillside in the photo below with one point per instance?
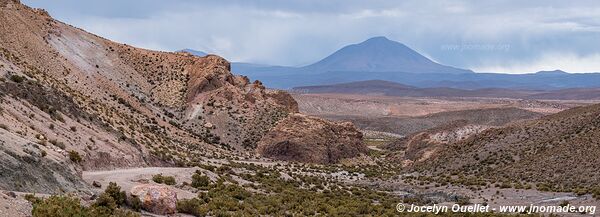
(558, 152)
(420, 146)
(73, 101)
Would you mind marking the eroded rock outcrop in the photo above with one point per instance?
(158, 199)
(421, 146)
(302, 138)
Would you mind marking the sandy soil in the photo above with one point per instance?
(14, 206)
(376, 106)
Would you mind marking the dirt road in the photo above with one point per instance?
(128, 178)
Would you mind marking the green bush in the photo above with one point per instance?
(200, 181)
(135, 203)
(114, 191)
(67, 206)
(105, 200)
(158, 178)
(32, 198)
(168, 180)
(191, 206)
(17, 78)
(59, 206)
(74, 156)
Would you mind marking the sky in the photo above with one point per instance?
(486, 36)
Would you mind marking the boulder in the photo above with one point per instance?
(157, 199)
(302, 138)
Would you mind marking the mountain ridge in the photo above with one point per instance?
(348, 64)
(379, 54)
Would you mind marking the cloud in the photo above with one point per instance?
(298, 32)
(548, 62)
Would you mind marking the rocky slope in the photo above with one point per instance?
(302, 138)
(420, 146)
(558, 152)
(73, 101)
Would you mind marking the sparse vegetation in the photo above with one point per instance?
(167, 180)
(199, 180)
(69, 206)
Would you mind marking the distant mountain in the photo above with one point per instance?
(377, 54)
(387, 88)
(379, 58)
(194, 52)
(380, 54)
(555, 72)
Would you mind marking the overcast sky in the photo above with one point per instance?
(499, 36)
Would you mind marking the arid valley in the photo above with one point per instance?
(93, 126)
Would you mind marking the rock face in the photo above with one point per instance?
(157, 199)
(421, 146)
(308, 139)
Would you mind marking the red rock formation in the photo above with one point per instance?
(308, 139)
(157, 199)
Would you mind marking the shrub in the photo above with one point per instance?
(106, 200)
(58, 206)
(114, 191)
(191, 206)
(168, 180)
(17, 78)
(74, 156)
(135, 203)
(32, 198)
(200, 181)
(158, 178)
(66, 206)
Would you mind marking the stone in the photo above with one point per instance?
(306, 139)
(157, 199)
